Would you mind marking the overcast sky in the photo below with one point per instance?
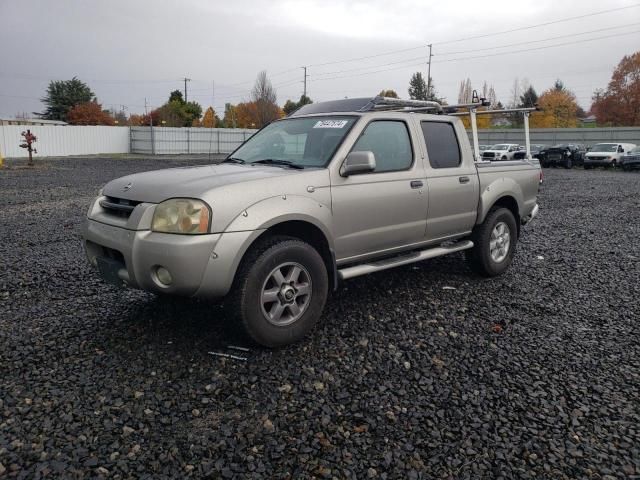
(127, 50)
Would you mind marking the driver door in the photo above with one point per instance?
(379, 211)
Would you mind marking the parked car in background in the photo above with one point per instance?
(563, 155)
(631, 159)
(482, 148)
(606, 154)
(500, 151)
(535, 151)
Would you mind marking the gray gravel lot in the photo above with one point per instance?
(535, 374)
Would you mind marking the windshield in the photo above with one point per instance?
(605, 147)
(303, 142)
(561, 145)
(500, 146)
(537, 147)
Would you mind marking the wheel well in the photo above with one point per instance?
(311, 234)
(510, 204)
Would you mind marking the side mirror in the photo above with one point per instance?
(358, 162)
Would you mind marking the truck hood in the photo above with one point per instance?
(192, 182)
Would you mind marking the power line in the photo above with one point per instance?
(540, 40)
(445, 42)
(414, 59)
(478, 56)
(538, 48)
(554, 22)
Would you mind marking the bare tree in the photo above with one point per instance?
(264, 96)
(465, 93)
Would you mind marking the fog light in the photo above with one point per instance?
(163, 276)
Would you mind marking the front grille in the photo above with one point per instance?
(554, 156)
(120, 207)
(596, 158)
(488, 155)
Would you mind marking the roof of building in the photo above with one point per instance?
(31, 121)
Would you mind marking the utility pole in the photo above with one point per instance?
(185, 88)
(429, 73)
(305, 82)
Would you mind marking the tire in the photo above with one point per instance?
(626, 168)
(568, 164)
(266, 293)
(587, 167)
(480, 257)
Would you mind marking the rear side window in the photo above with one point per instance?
(442, 144)
(390, 143)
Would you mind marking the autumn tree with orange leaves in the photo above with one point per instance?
(89, 113)
(558, 109)
(619, 104)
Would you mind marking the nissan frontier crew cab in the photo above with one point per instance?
(336, 190)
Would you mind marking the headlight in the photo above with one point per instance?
(181, 215)
(568, 154)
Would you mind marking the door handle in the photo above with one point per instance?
(463, 179)
(416, 184)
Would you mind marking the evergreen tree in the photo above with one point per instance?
(417, 87)
(63, 95)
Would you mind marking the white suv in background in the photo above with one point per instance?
(500, 151)
(606, 154)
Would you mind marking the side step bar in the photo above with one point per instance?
(365, 268)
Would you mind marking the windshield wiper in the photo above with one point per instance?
(275, 161)
(233, 160)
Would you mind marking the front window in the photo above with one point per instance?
(390, 143)
(500, 146)
(605, 147)
(303, 142)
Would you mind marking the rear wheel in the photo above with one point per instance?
(279, 291)
(494, 243)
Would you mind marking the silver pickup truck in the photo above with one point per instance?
(336, 190)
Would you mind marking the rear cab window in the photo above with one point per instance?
(443, 148)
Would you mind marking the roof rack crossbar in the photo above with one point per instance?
(399, 103)
(498, 111)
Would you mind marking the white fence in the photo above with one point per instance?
(169, 140)
(54, 140)
(88, 140)
(553, 136)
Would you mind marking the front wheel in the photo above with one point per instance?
(279, 291)
(494, 243)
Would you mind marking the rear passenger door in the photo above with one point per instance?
(452, 182)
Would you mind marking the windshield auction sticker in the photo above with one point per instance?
(331, 124)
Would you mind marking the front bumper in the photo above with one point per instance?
(630, 164)
(200, 265)
(591, 162)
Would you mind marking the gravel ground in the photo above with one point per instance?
(425, 371)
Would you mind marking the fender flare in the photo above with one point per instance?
(496, 190)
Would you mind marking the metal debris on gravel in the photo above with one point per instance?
(535, 374)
